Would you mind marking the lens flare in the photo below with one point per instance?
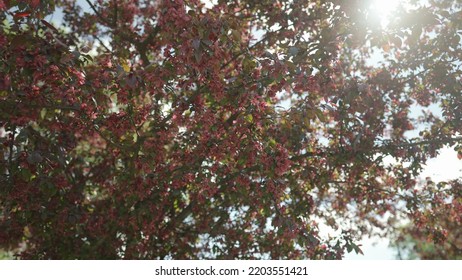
(384, 8)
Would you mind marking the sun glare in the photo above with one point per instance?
(383, 9)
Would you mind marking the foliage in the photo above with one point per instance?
(435, 231)
(5, 255)
(174, 129)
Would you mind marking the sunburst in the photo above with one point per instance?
(384, 9)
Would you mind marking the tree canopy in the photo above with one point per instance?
(227, 129)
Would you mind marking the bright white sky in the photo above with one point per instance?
(384, 8)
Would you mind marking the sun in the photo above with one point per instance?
(384, 8)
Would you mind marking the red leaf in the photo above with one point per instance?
(2, 5)
(21, 14)
(34, 3)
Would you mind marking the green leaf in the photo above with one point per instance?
(320, 115)
(249, 118)
(43, 113)
(26, 175)
(248, 65)
(357, 249)
(236, 35)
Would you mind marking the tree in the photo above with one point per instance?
(233, 129)
(434, 232)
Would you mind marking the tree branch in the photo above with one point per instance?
(447, 140)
